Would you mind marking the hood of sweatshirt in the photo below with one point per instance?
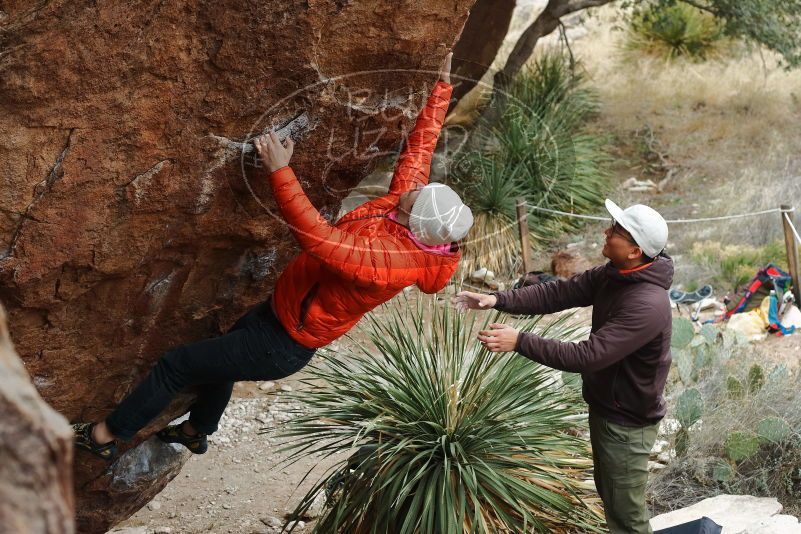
(659, 272)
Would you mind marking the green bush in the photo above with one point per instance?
(540, 149)
(440, 435)
(736, 265)
(671, 31)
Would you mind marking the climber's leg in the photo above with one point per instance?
(258, 349)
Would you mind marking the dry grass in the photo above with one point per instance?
(729, 127)
(729, 105)
(494, 243)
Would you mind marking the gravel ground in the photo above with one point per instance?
(240, 485)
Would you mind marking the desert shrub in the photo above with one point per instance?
(439, 435)
(738, 425)
(678, 30)
(735, 265)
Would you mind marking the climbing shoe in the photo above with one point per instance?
(175, 434)
(83, 440)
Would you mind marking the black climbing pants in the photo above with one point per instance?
(257, 347)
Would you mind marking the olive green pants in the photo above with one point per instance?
(620, 468)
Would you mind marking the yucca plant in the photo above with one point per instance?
(440, 435)
(539, 149)
(677, 30)
(493, 241)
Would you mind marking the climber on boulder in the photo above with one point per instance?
(407, 237)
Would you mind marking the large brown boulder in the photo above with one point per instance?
(36, 451)
(130, 221)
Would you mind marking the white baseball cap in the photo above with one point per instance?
(439, 216)
(645, 225)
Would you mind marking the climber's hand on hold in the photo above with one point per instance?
(272, 152)
(445, 69)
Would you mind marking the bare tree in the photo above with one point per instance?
(546, 23)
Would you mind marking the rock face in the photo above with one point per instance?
(36, 451)
(131, 217)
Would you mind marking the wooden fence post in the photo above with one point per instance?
(522, 224)
(792, 250)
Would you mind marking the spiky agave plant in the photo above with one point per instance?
(493, 241)
(539, 149)
(543, 130)
(440, 435)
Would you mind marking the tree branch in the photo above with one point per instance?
(577, 5)
(700, 6)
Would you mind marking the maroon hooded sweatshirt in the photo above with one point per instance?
(625, 362)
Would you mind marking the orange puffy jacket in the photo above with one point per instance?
(347, 269)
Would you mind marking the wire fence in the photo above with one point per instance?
(785, 211)
(673, 221)
(792, 227)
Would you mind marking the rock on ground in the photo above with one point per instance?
(133, 217)
(35, 453)
(737, 514)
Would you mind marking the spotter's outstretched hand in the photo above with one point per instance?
(501, 338)
(467, 300)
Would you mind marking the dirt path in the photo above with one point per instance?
(240, 480)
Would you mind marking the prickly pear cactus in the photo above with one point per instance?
(740, 446)
(773, 430)
(709, 333)
(683, 333)
(682, 442)
(689, 407)
(735, 388)
(684, 363)
(722, 471)
(756, 378)
(778, 374)
(702, 358)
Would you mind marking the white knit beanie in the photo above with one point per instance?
(439, 216)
